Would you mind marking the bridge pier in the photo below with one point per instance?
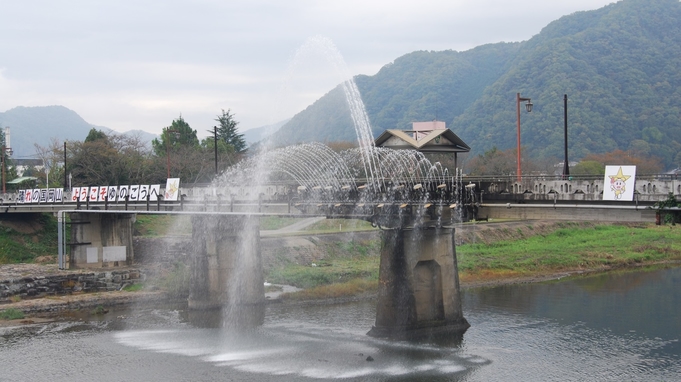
(418, 291)
(101, 240)
(226, 267)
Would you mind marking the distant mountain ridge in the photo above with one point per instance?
(29, 125)
(38, 124)
(257, 134)
(620, 66)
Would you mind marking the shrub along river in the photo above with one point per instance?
(614, 326)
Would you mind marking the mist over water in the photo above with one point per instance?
(610, 327)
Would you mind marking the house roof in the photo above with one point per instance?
(436, 141)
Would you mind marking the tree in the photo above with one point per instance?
(52, 156)
(645, 164)
(178, 134)
(227, 131)
(493, 162)
(588, 167)
(183, 156)
(109, 159)
(95, 135)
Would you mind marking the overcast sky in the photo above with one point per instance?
(140, 64)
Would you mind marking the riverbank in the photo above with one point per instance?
(489, 255)
(51, 308)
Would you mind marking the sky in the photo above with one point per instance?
(137, 65)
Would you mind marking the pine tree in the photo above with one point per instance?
(227, 131)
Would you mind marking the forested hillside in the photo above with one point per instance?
(620, 66)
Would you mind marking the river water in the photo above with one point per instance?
(609, 327)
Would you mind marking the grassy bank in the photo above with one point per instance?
(349, 268)
(162, 225)
(570, 247)
(23, 239)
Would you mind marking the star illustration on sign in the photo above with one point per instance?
(619, 176)
(618, 183)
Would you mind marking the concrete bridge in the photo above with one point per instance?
(419, 288)
(418, 276)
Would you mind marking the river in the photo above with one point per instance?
(607, 327)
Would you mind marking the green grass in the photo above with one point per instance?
(17, 247)
(162, 225)
(133, 287)
(351, 268)
(350, 288)
(574, 248)
(11, 314)
(275, 222)
(343, 262)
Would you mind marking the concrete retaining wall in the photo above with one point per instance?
(533, 212)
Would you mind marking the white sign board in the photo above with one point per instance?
(619, 183)
(113, 253)
(100, 194)
(92, 255)
(172, 189)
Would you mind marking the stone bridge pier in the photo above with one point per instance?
(418, 291)
(101, 240)
(226, 267)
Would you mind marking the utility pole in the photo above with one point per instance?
(566, 166)
(528, 107)
(215, 135)
(65, 176)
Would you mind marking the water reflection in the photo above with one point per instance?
(607, 327)
(621, 326)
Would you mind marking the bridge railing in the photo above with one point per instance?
(648, 187)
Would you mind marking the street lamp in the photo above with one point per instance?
(566, 166)
(528, 107)
(168, 147)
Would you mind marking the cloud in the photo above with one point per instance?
(139, 64)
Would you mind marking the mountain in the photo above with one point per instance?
(257, 134)
(621, 69)
(619, 65)
(39, 124)
(29, 125)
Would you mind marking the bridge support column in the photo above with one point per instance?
(101, 240)
(227, 267)
(418, 291)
